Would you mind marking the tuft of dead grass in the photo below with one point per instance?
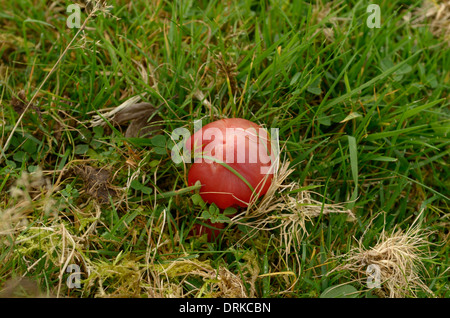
(434, 14)
(398, 257)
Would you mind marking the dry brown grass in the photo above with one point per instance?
(434, 14)
(399, 256)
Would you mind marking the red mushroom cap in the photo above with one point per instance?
(232, 160)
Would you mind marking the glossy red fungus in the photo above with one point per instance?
(233, 162)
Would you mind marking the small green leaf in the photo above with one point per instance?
(324, 120)
(160, 151)
(404, 69)
(197, 199)
(136, 185)
(81, 149)
(386, 64)
(229, 211)
(29, 146)
(32, 168)
(98, 131)
(147, 190)
(95, 144)
(85, 134)
(220, 219)
(213, 209)
(432, 80)
(159, 141)
(295, 78)
(314, 87)
(154, 163)
(314, 90)
(11, 164)
(206, 215)
(20, 156)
